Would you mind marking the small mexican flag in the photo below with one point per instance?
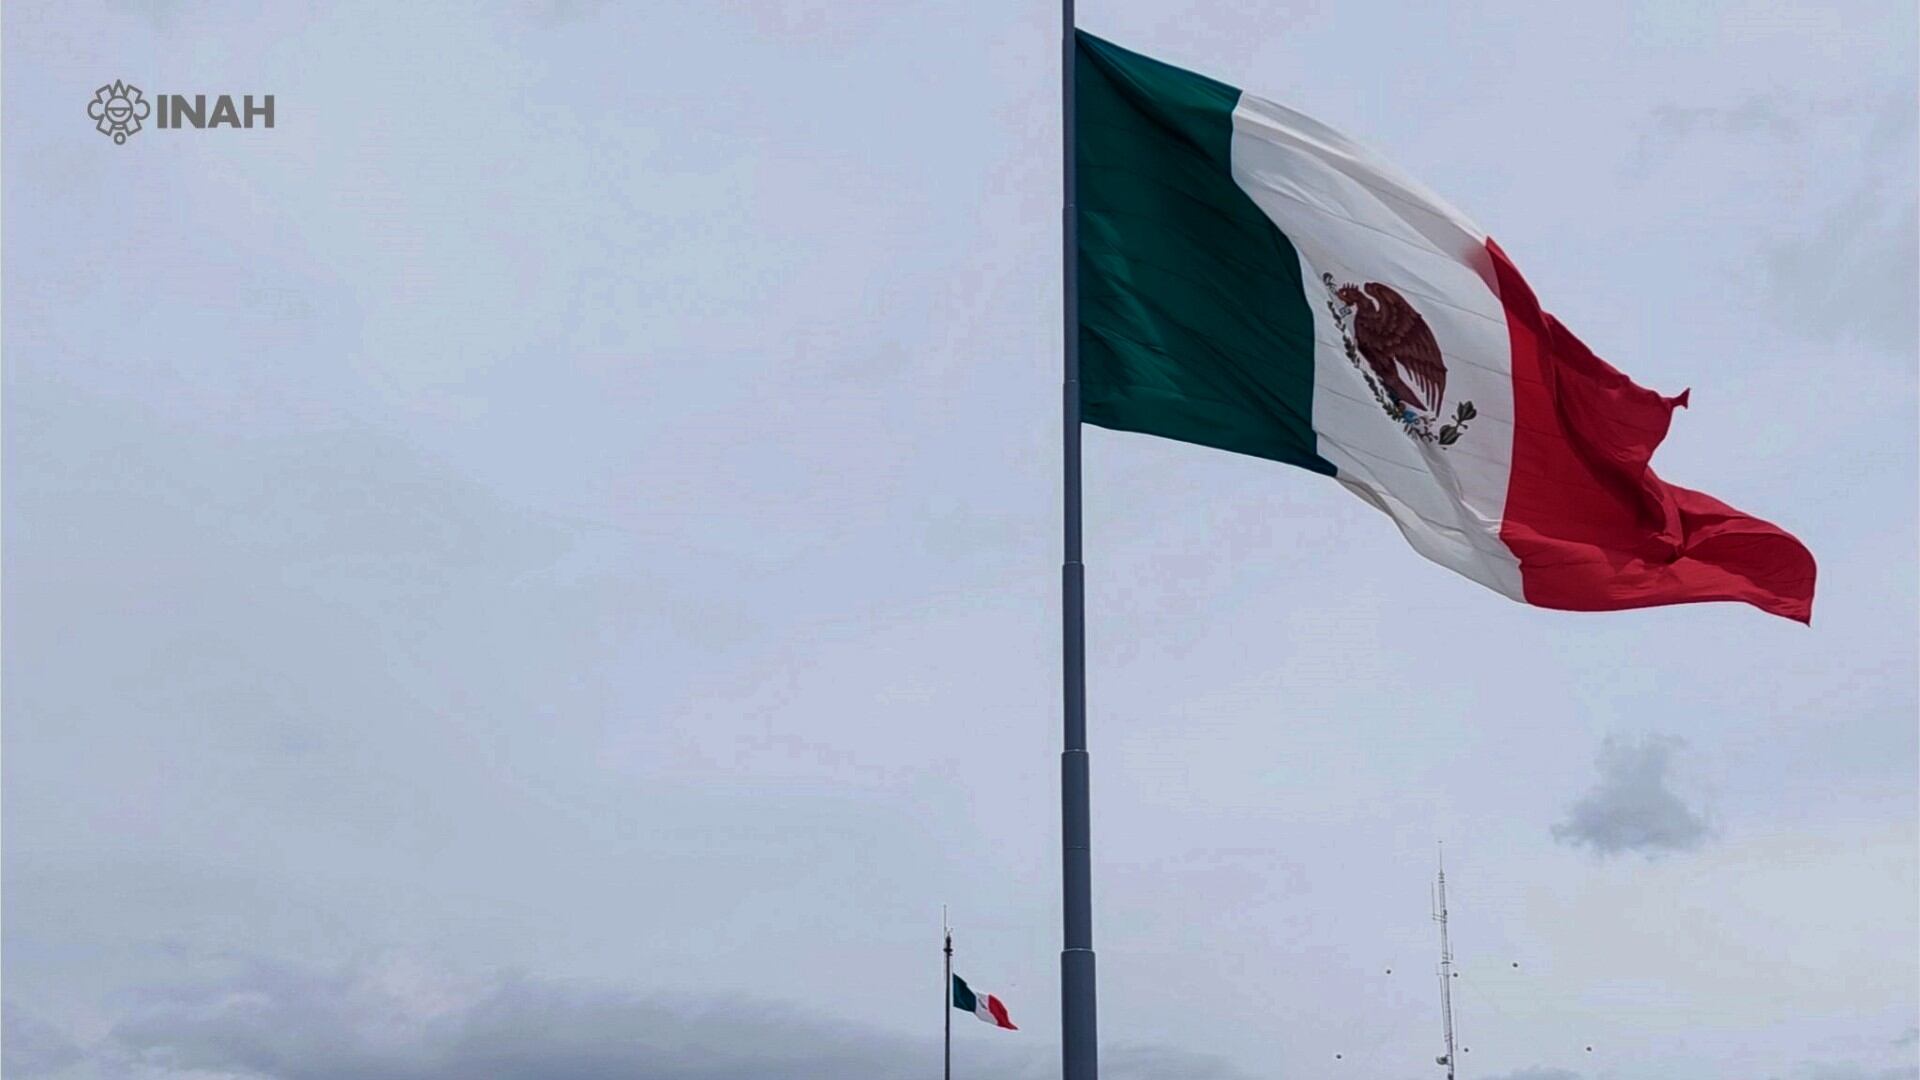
(1254, 281)
(985, 1006)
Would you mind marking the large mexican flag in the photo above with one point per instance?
(1253, 281)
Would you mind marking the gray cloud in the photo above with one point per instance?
(1853, 274)
(1843, 268)
(1831, 1070)
(1632, 808)
(29, 1046)
(291, 1024)
(1852, 1071)
(398, 1020)
(1670, 125)
(560, 12)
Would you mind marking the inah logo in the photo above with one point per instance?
(118, 109)
(178, 110)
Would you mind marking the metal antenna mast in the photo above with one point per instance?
(1446, 965)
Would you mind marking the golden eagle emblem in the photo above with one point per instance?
(1390, 344)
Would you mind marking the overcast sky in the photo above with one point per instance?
(543, 564)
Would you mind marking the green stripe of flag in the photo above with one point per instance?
(1193, 321)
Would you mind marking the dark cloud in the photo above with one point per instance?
(1632, 808)
(398, 1021)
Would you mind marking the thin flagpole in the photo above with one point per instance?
(946, 994)
(1078, 1047)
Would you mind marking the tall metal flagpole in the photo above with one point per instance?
(1078, 1048)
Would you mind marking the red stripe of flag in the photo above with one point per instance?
(1593, 527)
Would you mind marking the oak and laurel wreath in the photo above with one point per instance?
(1415, 425)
